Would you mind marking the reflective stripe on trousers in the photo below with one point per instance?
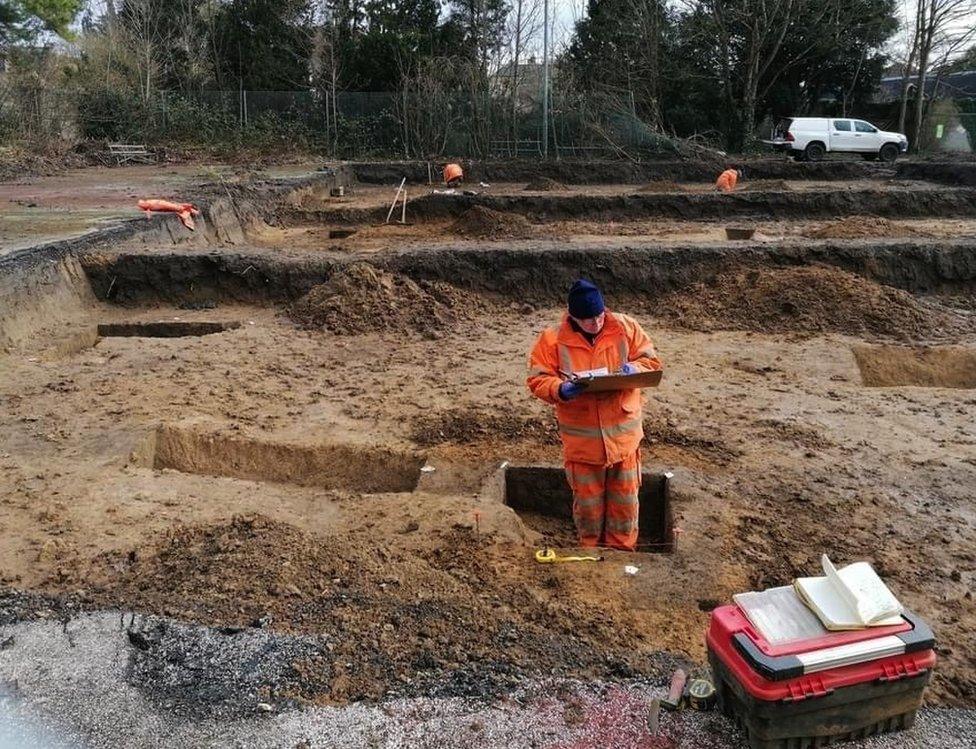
(605, 502)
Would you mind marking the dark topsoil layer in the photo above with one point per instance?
(757, 203)
(572, 172)
(384, 621)
(425, 291)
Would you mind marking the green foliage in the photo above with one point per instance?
(109, 114)
(674, 66)
(23, 20)
(264, 45)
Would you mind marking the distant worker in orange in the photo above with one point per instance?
(600, 432)
(727, 180)
(453, 175)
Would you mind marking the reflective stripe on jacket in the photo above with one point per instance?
(596, 428)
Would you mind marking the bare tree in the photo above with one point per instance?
(749, 36)
(144, 33)
(525, 22)
(942, 28)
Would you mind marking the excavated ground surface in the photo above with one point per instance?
(329, 586)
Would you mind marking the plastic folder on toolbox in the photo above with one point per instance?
(786, 640)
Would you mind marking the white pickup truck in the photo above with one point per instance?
(811, 138)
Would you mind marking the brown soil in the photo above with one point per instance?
(862, 227)
(662, 185)
(360, 298)
(479, 425)
(805, 299)
(390, 614)
(764, 185)
(545, 184)
(920, 366)
(779, 451)
(486, 223)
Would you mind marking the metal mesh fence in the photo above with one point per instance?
(405, 124)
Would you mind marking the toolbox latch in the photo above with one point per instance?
(806, 688)
(903, 669)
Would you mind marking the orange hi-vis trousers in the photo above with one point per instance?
(605, 502)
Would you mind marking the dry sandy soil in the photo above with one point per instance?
(332, 466)
(780, 454)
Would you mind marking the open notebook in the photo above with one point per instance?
(852, 597)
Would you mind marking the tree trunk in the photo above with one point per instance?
(924, 49)
(906, 74)
(515, 73)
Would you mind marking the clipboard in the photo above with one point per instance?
(604, 383)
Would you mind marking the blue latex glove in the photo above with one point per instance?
(569, 390)
(628, 368)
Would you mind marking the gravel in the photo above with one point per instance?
(88, 682)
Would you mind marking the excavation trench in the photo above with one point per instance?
(166, 329)
(543, 500)
(539, 275)
(920, 201)
(919, 366)
(338, 466)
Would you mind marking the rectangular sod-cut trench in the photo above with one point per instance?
(168, 329)
(356, 468)
(919, 366)
(542, 498)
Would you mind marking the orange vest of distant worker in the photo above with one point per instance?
(727, 180)
(453, 172)
(596, 428)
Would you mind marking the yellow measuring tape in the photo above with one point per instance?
(548, 556)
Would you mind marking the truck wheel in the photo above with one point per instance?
(815, 152)
(888, 152)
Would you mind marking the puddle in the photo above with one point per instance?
(168, 329)
(327, 465)
(543, 500)
(919, 366)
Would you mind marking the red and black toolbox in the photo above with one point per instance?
(811, 692)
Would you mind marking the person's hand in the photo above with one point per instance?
(628, 368)
(569, 390)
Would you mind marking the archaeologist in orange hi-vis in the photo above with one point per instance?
(453, 175)
(727, 180)
(600, 432)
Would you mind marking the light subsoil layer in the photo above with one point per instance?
(779, 453)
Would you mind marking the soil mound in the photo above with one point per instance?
(361, 298)
(860, 227)
(485, 223)
(463, 427)
(545, 184)
(441, 623)
(807, 299)
(661, 185)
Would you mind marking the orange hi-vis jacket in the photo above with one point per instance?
(727, 180)
(596, 428)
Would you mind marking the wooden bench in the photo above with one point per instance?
(124, 152)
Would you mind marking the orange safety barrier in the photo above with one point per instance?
(186, 211)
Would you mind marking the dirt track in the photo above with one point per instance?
(780, 453)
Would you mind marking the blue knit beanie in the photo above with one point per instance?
(585, 300)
